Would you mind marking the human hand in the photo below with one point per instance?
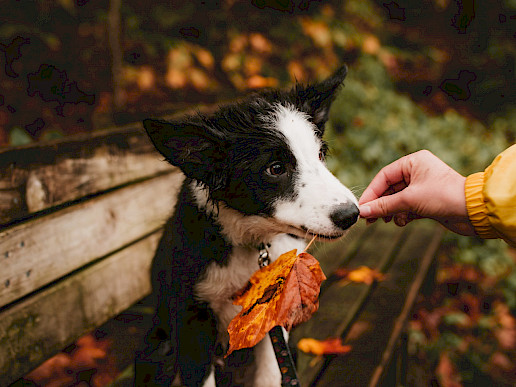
(418, 185)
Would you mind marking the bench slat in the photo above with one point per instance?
(41, 250)
(42, 324)
(41, 176)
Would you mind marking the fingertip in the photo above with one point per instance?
(365, 211)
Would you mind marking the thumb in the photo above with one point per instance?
(384, 206)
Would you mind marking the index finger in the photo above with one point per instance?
(388, 176)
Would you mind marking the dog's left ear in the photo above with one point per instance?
(317, 99)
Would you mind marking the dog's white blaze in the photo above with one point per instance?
(317, 190)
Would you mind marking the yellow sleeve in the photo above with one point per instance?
(491, 198)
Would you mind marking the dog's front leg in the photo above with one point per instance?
(210, 381)
(267, 370)
(197, 333)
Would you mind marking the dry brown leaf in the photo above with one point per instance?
(330, 346)
(284, 293)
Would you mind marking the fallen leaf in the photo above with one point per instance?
(284, 293)
(205, 57)
(198, 78)
(238, 43)
(319, 32)
(506, 332)
(363, 274)
(371, 45)
(330, 346)
(258, 82)
(260, 44)
(50, 367)
(447, 372)
(297, 71)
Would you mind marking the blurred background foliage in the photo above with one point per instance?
(434, 74)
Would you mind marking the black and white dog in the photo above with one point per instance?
(256, 181)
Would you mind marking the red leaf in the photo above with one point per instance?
(284, 293)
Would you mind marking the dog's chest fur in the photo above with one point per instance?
(220, 282)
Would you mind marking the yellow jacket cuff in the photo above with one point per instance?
(476, 206)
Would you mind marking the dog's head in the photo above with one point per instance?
(264, 157)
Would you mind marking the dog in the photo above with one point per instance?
(256, 185)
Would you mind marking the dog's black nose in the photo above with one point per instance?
(344, 215)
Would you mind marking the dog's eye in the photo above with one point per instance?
(276, 169)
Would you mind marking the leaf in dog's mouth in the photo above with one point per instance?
(284, 293)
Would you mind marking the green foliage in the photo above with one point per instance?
(508, 286)
(372, 125)
(490, 255)
(18, 136)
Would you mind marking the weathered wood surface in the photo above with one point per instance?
(401, 284)
(40, 325)
(375, 334)
(44, 249)
(391, 250)
(41, 176)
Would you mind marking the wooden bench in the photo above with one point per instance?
(80, 219)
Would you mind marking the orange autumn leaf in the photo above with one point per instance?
(284, 293)
(363, 274)
(330, 346)
(258, 81)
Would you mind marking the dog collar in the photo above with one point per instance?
(263, 255)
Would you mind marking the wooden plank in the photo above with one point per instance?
(38, 327)
(339, 305)
(332, 255)
(375, 333)
(39, 251)
(423, 267)
(40, 176)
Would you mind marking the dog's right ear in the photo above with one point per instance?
(316, 99)
(194, 148)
